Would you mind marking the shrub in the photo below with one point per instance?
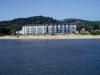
(84, 33)
(94, 32)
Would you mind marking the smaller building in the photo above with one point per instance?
(83, 30)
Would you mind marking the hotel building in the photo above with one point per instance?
(47, 29)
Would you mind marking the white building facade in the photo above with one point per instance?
(47, 29)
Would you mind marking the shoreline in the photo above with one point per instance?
(44, 37)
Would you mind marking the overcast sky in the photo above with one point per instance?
(59, 9)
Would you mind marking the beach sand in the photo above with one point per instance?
(65, 36)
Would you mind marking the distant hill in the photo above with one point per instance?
(19, 22)
(16, 24)
(83, 23)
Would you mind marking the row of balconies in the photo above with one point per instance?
(43, 29)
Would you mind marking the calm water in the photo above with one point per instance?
(49, 57)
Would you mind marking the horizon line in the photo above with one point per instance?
(46, 16)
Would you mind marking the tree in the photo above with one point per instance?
(4, 31)
(95, 27)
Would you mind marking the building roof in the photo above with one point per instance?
(45, 24)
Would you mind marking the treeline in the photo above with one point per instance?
(10, 27)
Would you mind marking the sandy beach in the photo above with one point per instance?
(67, 36)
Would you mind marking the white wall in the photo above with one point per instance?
(41, 29)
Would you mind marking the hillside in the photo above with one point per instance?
(13, 25)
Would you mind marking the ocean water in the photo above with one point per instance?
(49, 57)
